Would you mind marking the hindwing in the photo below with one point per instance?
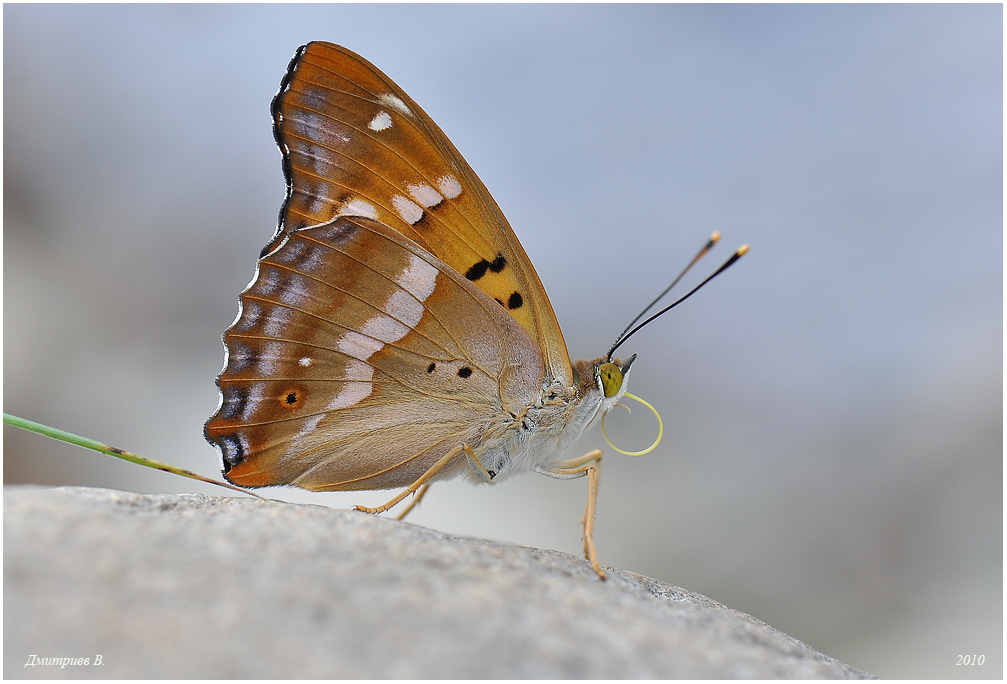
(358, 359)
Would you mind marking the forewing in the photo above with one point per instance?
(354, 144)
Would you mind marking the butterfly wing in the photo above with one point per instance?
(354, 144)
(352, 363)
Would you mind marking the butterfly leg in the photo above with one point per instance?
(422, 480)
(478, 468)
(589, 464)
(415, 502)
(574, 464)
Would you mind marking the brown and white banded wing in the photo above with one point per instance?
(355, 144)
(352, 364)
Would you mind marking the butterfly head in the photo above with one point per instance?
(611, 378)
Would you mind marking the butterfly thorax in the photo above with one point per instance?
(544, 431)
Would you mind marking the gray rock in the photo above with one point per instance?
(213, 587)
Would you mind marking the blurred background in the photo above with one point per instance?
(833, 404)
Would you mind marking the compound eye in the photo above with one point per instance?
(611, 378)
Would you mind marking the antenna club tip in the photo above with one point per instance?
(715, 236)
(742, 250)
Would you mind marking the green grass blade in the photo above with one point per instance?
(77, 440)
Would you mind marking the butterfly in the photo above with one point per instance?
(395, 332)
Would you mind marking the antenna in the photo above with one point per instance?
(706, 248)
(727, 264)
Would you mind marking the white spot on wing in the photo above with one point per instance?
(248, 317)
(404, 307)
(296, 292)
(350, 394)
(239, 354)
(384, 328)
(418, 278)
(407, 209)
(309, 426)
(270, 358)
(254, 399)
(304, 361)
(425, 195)
(358, 370)
(276, 321)
(395, 103)
(270, 281)
(381, 121)
(323, 128)
(291, 251)
(359, 207)
(449, 185)
(312, 259)
(359, 388)
(358, 346)
(317, 206)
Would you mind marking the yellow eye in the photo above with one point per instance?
(611, 378)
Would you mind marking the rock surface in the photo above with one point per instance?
(188, 586)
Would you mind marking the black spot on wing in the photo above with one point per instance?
(292, 398)
(431, 367)
(515, 301)
(478, 269)
(464, 372)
